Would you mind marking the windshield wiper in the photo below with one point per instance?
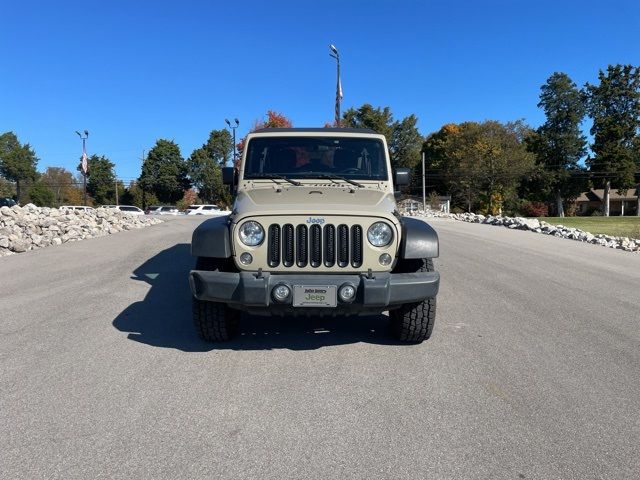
(331, 176)
(273, 176)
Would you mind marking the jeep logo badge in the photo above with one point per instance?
(318, 221)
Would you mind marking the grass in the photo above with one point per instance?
(618, 226)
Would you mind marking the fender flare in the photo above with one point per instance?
(419, 239)
(211, 238)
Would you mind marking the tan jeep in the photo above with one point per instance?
(314, 231)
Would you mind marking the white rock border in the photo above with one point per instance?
(27, 228)
(536, 226)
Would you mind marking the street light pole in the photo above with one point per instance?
(233, 128)
(334, 53)
(84, 166)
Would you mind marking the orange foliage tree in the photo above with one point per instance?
(274, 120)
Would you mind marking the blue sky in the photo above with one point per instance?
(134, 71)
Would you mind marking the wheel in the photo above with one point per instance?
(214, 321)
(413, 322)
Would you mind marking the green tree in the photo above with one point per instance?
(41, 195)
(133, 195)
(164, 172)
(441, 166)
(219, 146)
(205, 167)
(614, 107)
(402, 136)
(17, 162)
(7, 188)
(559, 143)
(206, 177)
(101, 180)
(406, 143)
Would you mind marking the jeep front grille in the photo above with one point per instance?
(314, 245)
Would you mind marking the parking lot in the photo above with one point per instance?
(533, 370)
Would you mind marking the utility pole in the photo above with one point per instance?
(84, 165)
(116, 192)
(233, 128)
(424, 188)
(334, 53)
(144, 201)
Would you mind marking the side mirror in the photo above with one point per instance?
(229, 176)
(401, 177)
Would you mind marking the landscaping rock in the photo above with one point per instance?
(534, 225)
(29, 227)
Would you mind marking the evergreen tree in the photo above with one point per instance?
(164, 172)
(17, 162)
(614, 107)
(559, 143)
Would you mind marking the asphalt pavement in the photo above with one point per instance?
(533, 371)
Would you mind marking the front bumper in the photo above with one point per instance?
(251, 291)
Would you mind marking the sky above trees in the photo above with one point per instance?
(133, 72)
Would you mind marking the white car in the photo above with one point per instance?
(76, 208)
(165, 210)
(130, 209)
(206, 210)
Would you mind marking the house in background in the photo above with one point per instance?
(619, 204)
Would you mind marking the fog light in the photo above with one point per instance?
(347, 293)
(281, 293)
(246, 258)
(385, 259)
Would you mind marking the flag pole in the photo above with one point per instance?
(84, 166)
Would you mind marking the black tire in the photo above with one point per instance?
(214, 321)
(413, 322)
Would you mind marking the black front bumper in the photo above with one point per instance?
(251, 291)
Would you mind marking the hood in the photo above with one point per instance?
(311, 199)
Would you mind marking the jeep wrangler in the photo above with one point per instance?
(314, 231)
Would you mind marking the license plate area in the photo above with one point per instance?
(314, 296)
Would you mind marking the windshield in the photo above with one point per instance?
(302, 157)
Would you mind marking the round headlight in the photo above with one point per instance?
(251, 233)
(379, 234)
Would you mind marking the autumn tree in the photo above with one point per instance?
(165, 172)
(64, 186)
(559, 143)
(480, 163)
(17, 161)
(273, 120)
(614, 107)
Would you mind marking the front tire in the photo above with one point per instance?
(413, 322)
(214, 321)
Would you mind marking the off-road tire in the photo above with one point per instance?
(413, 322)
(214, 321)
